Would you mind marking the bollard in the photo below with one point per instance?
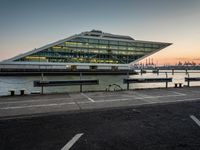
(180, 85)
(22, 92)
(175, 85)
(12, 92)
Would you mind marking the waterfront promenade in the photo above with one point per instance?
(124, 120)
(140, 119)
(34, 105)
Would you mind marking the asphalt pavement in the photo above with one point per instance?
(153, 119)
(34, 105)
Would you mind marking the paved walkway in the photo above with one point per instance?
(20, 106)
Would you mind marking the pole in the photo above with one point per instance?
(157, 71)
(166, 81)
(172, 71)
(127, 81)
(127, 74)
(127, 85)
(42, 76)
(188, 80)
(81, 87)
(42, 88)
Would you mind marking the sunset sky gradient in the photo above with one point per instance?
(29, 24)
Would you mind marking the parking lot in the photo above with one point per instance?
(123, 120)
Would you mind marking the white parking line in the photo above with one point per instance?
(72, 141)
(161, 96)
(145, 96)
(150, 97)
(195, 120)
(90, 99)
(194, 91)
(110, 100)
(181, 94)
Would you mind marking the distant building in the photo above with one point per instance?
(88, 50)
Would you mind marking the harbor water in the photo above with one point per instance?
(116, 81)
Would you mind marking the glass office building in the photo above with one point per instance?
(93, 47)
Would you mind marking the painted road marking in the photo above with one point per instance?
(110, 100)
(72, 141)
(181, 94)
(195, 120)
(145, 96)
(194, 91)
(90, 99)
(132, 96)
(150, 97)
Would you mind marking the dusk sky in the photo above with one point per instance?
(29, 24)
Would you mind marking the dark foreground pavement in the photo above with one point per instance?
(149, 127)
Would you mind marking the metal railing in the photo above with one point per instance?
(81, 82)
(146, 80)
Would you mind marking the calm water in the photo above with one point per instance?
(26, 82)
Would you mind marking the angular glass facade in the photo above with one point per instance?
(95, 48)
